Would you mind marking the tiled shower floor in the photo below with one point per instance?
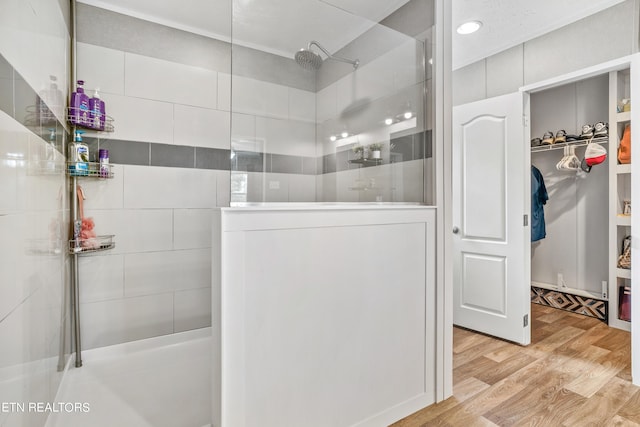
(157, 382)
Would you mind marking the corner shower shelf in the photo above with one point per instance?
(95, 244)
(366, 162)
(93, 171)
(108, 123)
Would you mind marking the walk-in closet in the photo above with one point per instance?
(572, 258)
(587, 215)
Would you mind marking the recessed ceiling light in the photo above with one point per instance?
(388, 121)
(408, 115)
(344, 134)
(469, 27)
(333, 138)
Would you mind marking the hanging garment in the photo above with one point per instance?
(539, 198)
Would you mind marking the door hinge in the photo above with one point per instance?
(526, 220)
(525, 321)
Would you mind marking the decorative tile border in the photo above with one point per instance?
(591, 307)
(21, 102)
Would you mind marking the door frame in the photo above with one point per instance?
(631, 61)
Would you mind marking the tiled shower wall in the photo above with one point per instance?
(171, 156)
(171, 137)
(170, 94)
(34, 265)
(394, 76)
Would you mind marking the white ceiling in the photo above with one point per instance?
(284, 26)
(281, 27)
(508, 23)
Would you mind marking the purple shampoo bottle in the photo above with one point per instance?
(79, 109)
(96, 112)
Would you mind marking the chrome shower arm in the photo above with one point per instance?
(334, 57)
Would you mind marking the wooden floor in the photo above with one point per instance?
(576, 372)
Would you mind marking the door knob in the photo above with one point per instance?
(455, 230)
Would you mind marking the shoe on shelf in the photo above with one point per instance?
(561, 136)
(570, 138)
(587, 132)
(547, 138)
(600, 130)
(536, 142)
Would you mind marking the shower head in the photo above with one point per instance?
(310, 60)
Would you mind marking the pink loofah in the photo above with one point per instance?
(87, 224)
(87, 235)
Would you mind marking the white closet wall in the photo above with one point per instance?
(576, 214)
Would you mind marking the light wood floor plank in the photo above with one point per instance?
(468, 388)
(575, 373)
(631, 409)
(619, 421)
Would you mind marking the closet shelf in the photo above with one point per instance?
(623, 169)
(623, 117)
(623, 220)
(623, 273)
(561, 145)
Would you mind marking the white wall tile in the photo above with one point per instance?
(224, 92)
(243, 132)
(192, 309)
(115, 321)
(101, 67)
(345, 182)
(35, 41)
(158, 272)
(11, 289)
(302, 188)
(136, 230)
(138, 119)
(255, 187)
(286, 136)
(24, 328)
(101, 277)
(164, 187)
(223, 193)
(152, 78)
(201, 127)
(302, 105)
(260, 98)
(276, 187)
(14, 151)
(384, 76)
(192, 228)
(105, 193)
(327, 103)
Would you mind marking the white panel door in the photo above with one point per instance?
(490, 200)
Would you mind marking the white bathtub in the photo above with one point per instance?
(324, 314)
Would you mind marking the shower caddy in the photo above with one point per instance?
(77, 247)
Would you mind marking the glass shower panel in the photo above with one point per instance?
(329, 105)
